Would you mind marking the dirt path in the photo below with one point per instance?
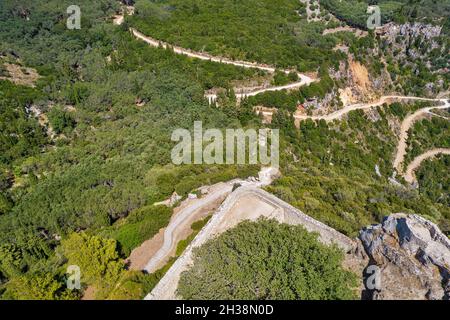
(118, 19)
(410, 176)
(171, 233)
(304, 79)
(181, 222)
(361, 106)
(20, 75)
(140, 255)
(89, 293)
(179, 225)
(403, 138)
(359, 33)
(201, 55)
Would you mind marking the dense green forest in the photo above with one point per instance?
(275, 32)
(426, 135)
(80, 187)
(292, 265)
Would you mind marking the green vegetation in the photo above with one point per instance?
(140, 225)
(354, 12)
(97, 258)
(136, 285)
(86, 195)
(21, 136)
(281, 78)
(426, 135)
(265, 31)
(61, 120)
(415, 63)
(267, 260)
(113, 160)
(37, 287)
(289, 100)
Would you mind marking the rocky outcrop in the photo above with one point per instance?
(411, 257)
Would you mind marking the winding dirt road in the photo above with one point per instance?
(236, 208)
(410, 176)
(304, 79)
(163, 253)
(169, 242)
(175, 224)
(201, 55)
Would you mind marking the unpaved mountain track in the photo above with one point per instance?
(178, 222)
(203, 56)
(236, 208)
(410, 176)
(169, 242)
(403, 138)
(304, 79)
(407, 123)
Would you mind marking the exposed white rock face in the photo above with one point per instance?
(413, 256)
